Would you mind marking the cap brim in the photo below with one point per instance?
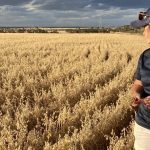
(138, 23)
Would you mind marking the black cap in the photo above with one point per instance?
(143, 22)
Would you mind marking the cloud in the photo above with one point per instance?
(125, 4)
(90, 4)
(13, 2)
(32, 5)
(64, 5)
(76, 4)
(69, 12)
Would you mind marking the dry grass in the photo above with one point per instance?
(67, 91)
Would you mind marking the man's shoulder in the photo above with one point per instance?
(146, 52)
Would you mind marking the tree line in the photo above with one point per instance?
(125, 28)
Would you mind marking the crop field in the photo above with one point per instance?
(67, 91)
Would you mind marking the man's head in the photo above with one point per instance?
(143, 19)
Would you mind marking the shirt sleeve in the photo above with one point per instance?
(138, 69)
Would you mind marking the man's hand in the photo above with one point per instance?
(146, 101)
(135, 102)
(136, 91)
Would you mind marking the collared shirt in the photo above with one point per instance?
(142, 116)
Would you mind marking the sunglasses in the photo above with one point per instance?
(143, 15)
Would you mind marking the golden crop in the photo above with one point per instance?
(67, 91)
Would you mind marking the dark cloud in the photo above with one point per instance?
(79, 4)
(126, 4)
(13, 2)
(90, 4)
(63, 4)
(70, 12)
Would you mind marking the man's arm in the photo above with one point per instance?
(136, 92)
(137, 89)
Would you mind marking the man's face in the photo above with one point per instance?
(146, 33)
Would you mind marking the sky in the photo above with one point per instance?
(70, 13)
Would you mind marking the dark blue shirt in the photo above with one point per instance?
(142, 116)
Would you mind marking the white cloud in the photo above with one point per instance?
(100, 4)
(31, 6)
(88, 6)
